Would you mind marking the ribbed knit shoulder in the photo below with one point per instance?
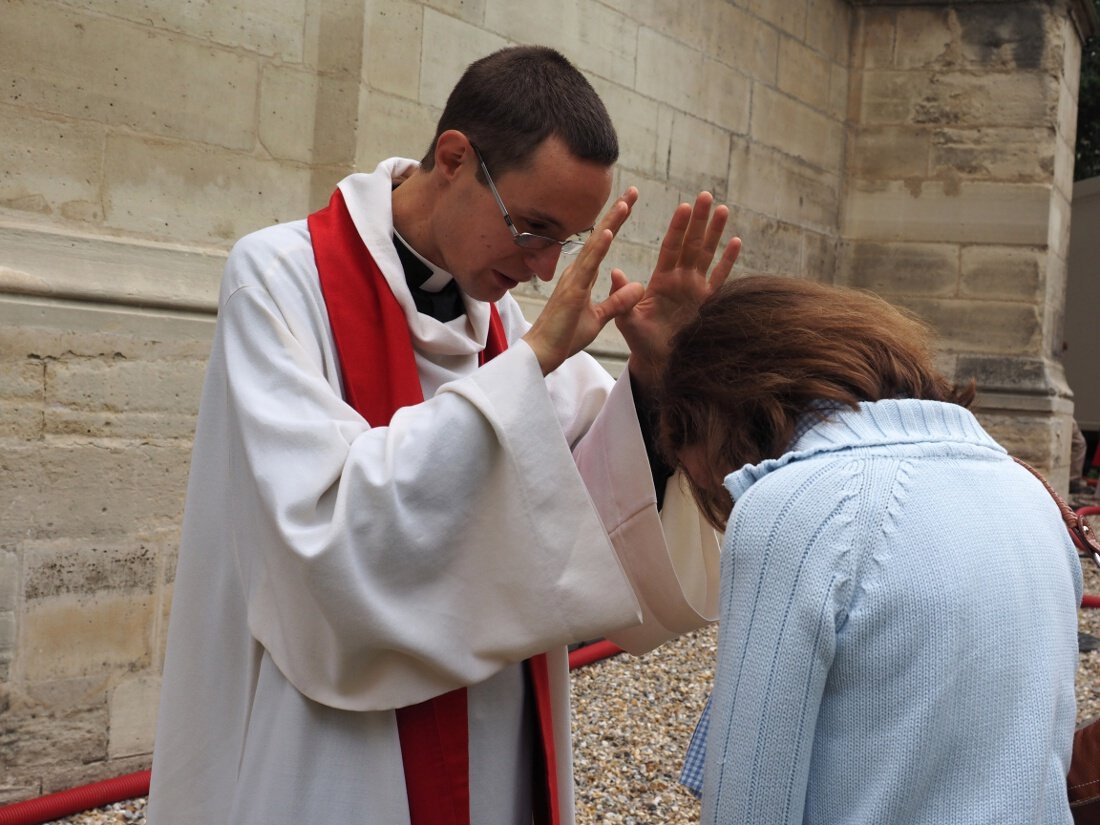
(901, 427)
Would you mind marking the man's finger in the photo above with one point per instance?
(673, 242)
(725, 264)
(696, 230)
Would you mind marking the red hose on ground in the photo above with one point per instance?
(98, 794)
(73, 801)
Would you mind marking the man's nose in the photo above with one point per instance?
(543, 262)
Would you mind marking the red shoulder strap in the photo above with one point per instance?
(378, 367)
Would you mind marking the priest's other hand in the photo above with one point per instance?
(571, 320)
(679, 284)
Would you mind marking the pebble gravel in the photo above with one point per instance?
(633, 718)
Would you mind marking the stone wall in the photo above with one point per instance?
(890, 146)
(960, 175)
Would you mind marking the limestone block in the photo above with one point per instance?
(892, 269)
(61, 567)
(62, 488)
(637, 121)
(827, 28)
(392, 127)
(133, 711)
(699, 156)
(21, 397)
(688, 24)
(970, 212)
(187, 193)
(1022, 99)
(598, 40)
(650, 215)
(839, 91)
(43, 329)
(334, 34)
(50, 166)
(780, 186)
(1040, 440)
(1016, 154)
(67, 775)
(9, 579)
(1002, 273)
(784, 123)
(743, 41)
(270, 27)
(670, 71)
(725, 98)
(979, 326)
(449, 46)
(874, 42)
(889, 152)
(94, 68)
(926, 36)
(819, 256)
(123, 385)
(803, 73)
(770, 246)
(471, 11)
(1007, 35)
(7, 634)
(37, 736)
(785, 15)
(321, 113)
(392, 58)
(71, 635)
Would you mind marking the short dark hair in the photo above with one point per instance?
(764, 351)
(509, 102)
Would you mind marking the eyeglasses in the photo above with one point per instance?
(527, 240)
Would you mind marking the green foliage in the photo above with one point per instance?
(1087, 164)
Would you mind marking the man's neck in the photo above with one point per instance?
(412, 204)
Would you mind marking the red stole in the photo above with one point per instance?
(379, 371)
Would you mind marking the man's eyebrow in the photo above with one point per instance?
(550, 220)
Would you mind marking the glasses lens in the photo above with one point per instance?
(529, 241)
(573, 245)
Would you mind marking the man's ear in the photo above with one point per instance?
(452, 150)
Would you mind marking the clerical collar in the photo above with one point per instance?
(433, 290)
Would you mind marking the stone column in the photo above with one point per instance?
(960, 172)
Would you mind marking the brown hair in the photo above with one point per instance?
(509, 102)
(766, 350)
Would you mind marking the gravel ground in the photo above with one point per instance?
(633, 717)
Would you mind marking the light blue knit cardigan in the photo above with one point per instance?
(898, 631)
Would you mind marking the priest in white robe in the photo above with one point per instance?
(338, 576)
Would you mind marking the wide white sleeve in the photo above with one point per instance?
(671, 556)
(384, 566)
(786, 583)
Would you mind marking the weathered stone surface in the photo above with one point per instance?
(951, 212)
(699, 156)
(392, 64)
(133, 710)
(448, 47)
(1010, 154)
(55, 568)
(784, 123)
(980, 326)
(50, 166)
(889, 152)
(743, 41)
(1002, 273)
(69, 636)
(138, 171)
(770, 246)
(958, 99)
(89, 67)
(902, 268)
(804, 73)
(775, 184)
